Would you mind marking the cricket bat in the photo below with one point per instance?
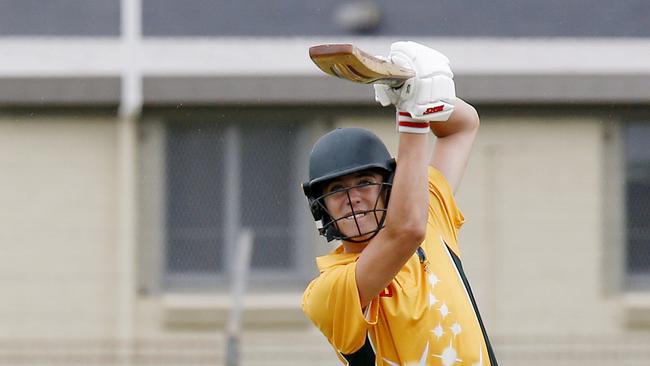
(349, 62)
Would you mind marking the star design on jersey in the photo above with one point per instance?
(433, 280)
(438, 331)
(455, 328)
(421, 362)
(432, 299)
(444, 310)
(449, 356)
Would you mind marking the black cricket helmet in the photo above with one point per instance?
(336, 154)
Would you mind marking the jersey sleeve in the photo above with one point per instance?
(332, 303)
(443, 211)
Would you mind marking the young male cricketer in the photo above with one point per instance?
(394, 292)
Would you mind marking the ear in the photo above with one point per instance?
(314, 206)
(315, 209)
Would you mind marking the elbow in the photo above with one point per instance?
(409, 234)
(417, 233)
(467, 116)
(473, 119)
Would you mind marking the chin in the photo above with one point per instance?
(363, 237)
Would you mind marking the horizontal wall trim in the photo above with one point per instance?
(26, 56)
(278, 70)
(316, 90)
(560, 89)
(59, 91)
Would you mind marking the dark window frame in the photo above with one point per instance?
(235, 140)
(636, 137)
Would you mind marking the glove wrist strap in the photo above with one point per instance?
(406, 124)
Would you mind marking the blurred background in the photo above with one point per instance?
(139, 138)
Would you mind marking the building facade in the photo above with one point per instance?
(139, 139)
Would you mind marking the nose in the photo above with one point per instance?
(354, 197)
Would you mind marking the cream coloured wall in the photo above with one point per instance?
(532, 244)
(533, 197)
(57, 193)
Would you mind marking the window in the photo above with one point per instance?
(224, 177)
(54, 18)
(637, 203)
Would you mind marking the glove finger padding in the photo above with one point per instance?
(429, 96)
(385, 95)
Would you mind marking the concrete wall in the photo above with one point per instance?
(533, 199)
(534, 247)
(57, 241)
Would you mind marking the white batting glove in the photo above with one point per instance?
(429, 96)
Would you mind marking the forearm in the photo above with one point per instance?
(463, 119)
(407, 207)
(455, 139)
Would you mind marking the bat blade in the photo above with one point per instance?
(349, 62)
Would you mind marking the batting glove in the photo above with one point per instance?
(430, 94)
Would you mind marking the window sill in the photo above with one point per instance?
(637, 309)
(211, 311)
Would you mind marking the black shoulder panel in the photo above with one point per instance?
(365, 356)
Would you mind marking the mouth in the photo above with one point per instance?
(356, 216)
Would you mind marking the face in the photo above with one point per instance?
(351, 201)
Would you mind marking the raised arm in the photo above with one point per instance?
(454, 143)
(405, 224)
(425, 97)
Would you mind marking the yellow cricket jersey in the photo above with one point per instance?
(426, 316)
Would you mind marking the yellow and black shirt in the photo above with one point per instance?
(426, 316)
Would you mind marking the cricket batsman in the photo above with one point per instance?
(394, 292)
